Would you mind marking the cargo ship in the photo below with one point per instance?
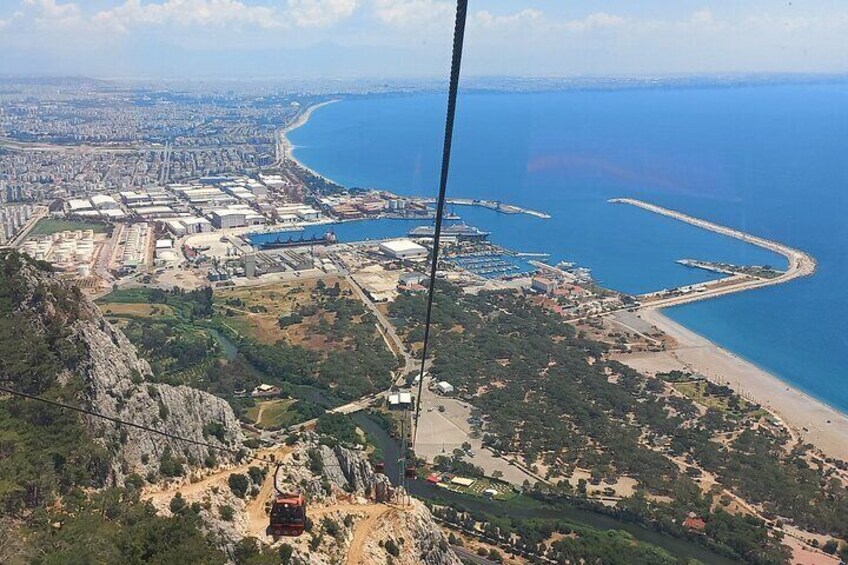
(327, 239)
(461, 232)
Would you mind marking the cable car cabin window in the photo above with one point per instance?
(287, 513)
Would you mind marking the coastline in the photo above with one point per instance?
(807, 416)
(795, 408)
(286, 147)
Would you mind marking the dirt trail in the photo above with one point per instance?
(188, 489)
(363, 529)
(257, 518)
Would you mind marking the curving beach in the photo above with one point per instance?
(285, 148)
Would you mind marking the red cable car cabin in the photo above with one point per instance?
(288, 515)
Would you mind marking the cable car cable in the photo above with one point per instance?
(240, 453)
(456, 63)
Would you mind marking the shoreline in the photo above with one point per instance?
(806, 416)
(287, 147)
(812, 420)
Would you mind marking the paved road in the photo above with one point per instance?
(472, 556)
(410, 364)
(39, 214)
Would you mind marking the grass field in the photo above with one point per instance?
(50, 226)
(696, 391)
(255, 311)
(127, 296)
(272, 413)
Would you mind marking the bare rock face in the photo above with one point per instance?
(415, 534)
(356, 515)
(114, 383)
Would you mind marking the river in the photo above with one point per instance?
(423, 490)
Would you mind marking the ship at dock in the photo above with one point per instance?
(460, 232)
(279, 243)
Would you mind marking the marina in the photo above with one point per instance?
(493, 263)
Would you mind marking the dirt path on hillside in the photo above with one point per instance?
(188, 489)
(363, 529)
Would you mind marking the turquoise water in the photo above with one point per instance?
(767, 160)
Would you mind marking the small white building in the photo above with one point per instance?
(403, 249)
(462, 481)
(444, 387)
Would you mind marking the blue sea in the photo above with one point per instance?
(770, 160)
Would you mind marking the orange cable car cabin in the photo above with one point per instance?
(288, 515)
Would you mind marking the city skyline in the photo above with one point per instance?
(410, 38)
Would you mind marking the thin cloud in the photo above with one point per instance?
(220, 13)
(319, 13)
(408, 13)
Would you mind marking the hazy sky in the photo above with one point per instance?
(349, 38)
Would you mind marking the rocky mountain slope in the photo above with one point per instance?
(355, 514)
(99, 363)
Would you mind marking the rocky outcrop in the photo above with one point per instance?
(356, 515)
(112, 380)
(116, 386)
(417, 537)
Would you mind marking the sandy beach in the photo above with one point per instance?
(286, 150)
(813, 420)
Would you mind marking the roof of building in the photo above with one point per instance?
(402, 245)
(462, 481)
(79, 204)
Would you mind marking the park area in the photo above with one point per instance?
(504, 490)
(273, 414)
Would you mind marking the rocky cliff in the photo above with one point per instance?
(102, 365)
(356, 515)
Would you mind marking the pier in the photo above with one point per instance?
(495, 205)
(800, 264)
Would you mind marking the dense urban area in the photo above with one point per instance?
(171, 263)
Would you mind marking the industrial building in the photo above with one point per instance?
(543, 285)
(403, 249)
(411, 279)
(235, 217)
(104, 202)
(78, 205)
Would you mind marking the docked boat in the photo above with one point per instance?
(454, 231)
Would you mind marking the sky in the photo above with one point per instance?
(411, 38)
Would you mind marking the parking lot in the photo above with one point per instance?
(439, 433)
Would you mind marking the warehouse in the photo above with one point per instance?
(403, 249)
(104, 202)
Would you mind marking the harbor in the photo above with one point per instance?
(800, 264)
